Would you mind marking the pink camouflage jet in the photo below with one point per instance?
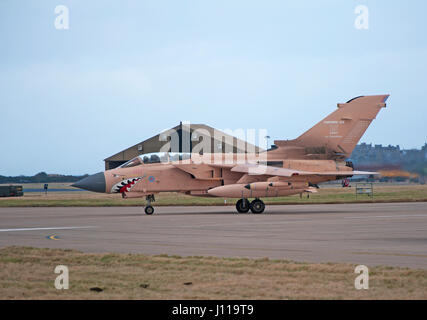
(294, 167)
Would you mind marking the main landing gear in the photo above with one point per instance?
(243, 205)
(149, 208)
(256, 206)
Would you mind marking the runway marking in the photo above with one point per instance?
(53, 237)
(50, 228)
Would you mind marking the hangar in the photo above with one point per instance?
(187, 135)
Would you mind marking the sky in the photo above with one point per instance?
(125, 70)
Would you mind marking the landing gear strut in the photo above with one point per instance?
(149, 208)
(242, 205)
(257, 206)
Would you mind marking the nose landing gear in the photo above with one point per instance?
(256, 206)
(149, 210)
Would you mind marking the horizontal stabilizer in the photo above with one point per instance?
(365, 173)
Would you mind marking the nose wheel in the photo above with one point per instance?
(149, 210)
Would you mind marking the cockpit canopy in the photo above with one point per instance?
(156, 157)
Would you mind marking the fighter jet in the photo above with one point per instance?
(292, 167)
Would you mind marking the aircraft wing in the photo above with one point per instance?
(264, 170)
(283, 172)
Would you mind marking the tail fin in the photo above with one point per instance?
(342, 129)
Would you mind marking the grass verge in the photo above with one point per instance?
(28, 273)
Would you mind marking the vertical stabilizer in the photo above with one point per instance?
(342, 129)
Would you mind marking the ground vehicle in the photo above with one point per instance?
(11, 191)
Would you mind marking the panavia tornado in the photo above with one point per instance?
(292, 167)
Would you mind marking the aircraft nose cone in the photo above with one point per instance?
(95, 182)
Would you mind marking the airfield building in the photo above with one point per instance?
(184, 138)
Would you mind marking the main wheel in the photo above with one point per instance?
(149, 210)
(257, 206)
(242, 206)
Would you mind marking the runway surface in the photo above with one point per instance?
(389, 234)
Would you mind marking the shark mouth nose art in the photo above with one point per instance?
(125, 185)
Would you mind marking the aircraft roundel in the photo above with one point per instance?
(151, 178)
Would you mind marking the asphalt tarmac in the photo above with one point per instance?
(392, 234)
